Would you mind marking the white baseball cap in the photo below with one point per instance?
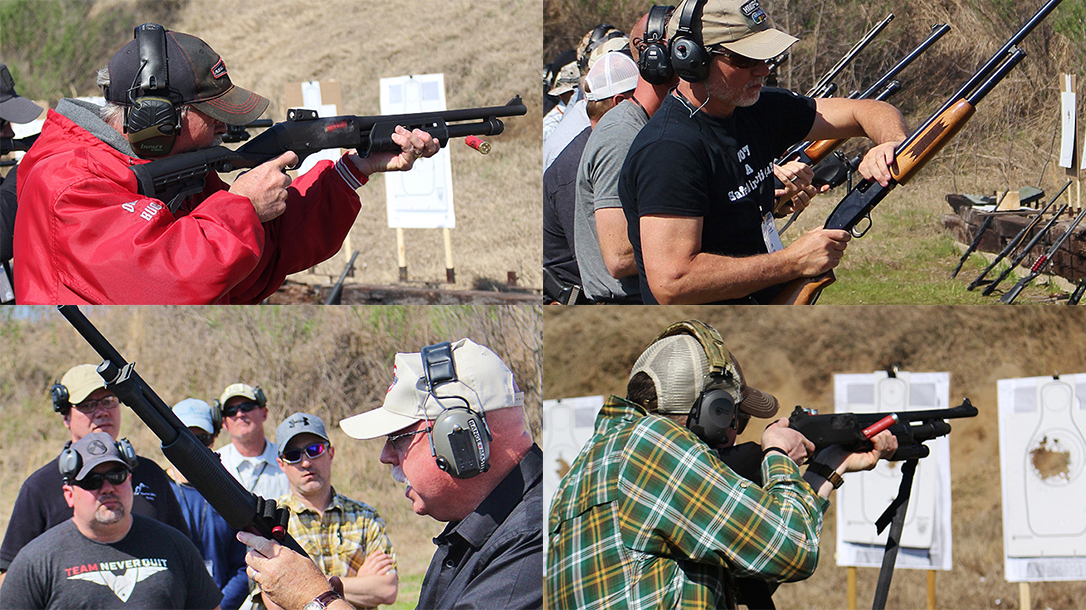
(613, 74)
(483, 380)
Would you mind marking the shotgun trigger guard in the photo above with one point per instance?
(855, 230)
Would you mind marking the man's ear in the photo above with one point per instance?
(69, 496)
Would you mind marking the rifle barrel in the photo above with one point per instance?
(937, 32)
(856, 49)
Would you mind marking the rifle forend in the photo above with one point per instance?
(912, 428)
(174, 178)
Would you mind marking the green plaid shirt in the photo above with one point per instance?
(339, 539)
(649, 517)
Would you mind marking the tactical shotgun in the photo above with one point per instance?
(241, 509)
(1043, 262)
(174, 178)
(854, 430)
(1011, 245)
(915, 152)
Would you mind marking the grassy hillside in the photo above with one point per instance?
(793, 354)
(329, 361)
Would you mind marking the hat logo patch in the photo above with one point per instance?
(754, 12)
(394, 379)
(219, 69)
(96, 448)
(301, 421)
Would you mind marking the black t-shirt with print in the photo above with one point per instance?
(716, 168)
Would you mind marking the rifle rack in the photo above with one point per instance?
(1070, 263)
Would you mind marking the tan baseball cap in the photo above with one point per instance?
(679, 369)
(740, 26)
(483, 380)
(81, 380)
(237, 389)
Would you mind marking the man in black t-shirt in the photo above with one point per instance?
(87, 407)
(697, 187)
(104, 556)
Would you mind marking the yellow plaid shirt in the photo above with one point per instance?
(338, 540)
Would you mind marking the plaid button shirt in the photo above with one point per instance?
(648, 517)
(338, 540)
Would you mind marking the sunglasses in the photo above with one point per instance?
(394, 438)
(204, 437)
(95, 480)
(90, 406)
(293, 456)
(737, 61)
(244, 407)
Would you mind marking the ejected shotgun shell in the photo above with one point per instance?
(477, 144)
(880, 425)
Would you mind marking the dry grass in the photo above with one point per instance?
(793, 354)
(329, 361)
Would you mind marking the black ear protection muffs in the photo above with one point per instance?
(715, 410)
(152, 120)
(689, 59)
(59, 394)
(654, 62)
(460, 437)
(216, 407)
(599, 35)
(70, 462)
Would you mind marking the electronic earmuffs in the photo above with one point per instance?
(152, 119)
(460, 437)
(653, 62)
(689, 58)
(60, 396)
(70, 462)
(217, 407)
(715, 411)
(599, 35)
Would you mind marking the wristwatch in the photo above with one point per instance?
(322, 601)
(827, 473)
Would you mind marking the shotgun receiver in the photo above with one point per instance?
(241, 509)
(174, 178)
(915, 152)
(853, 430)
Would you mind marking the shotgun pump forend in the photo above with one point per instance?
(912, 428)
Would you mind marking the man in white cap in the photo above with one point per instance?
(250, 457)
(648, 516)
(697, 186)
(104, 556)
(610, 81)
(82, 399)
(223, 555)
(438, 414)
(344, 537)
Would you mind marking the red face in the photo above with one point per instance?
(99, 412)
(432, 491)
(198, 131)
(735, 80)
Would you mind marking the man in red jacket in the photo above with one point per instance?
(83, 234)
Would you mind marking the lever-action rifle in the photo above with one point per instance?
(854, 430)
(915, 152)
(1011, 245)
(1042, 262)
(172, 179)
(241, 509)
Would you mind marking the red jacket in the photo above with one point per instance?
(83, 234)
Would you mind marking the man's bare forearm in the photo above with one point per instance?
(370, 590)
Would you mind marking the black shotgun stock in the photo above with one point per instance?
(241, 509)
(174, 178)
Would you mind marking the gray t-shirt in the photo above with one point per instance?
(154, 566)
(597, 188)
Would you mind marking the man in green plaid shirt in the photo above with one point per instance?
(649, 517)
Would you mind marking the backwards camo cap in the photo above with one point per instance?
(680, 361)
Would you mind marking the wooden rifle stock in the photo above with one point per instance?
(803, 290)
